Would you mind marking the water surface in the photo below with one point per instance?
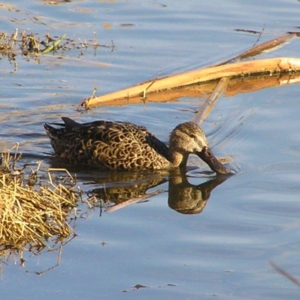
(250, 219)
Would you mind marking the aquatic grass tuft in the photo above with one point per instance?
(32, 215)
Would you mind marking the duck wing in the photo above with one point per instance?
(113, 145)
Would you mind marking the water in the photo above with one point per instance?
(224, 245)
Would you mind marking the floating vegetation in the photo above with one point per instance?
(32, 215)
(53, 45)
(27, 44)
(31, 45)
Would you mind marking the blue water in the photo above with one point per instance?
(249, 220)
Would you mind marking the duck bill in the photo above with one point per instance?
(207, 156)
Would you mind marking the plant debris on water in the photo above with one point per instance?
(27, 44)
(32, 215)
(38, 209)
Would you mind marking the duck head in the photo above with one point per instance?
(188, 138)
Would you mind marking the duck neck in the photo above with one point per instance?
(177, 159)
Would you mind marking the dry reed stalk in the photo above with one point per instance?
(286, 274)
(274, 67)
(271, 67)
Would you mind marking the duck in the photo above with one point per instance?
(126, 146)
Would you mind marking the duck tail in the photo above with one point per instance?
(69, 123)
(51, 131)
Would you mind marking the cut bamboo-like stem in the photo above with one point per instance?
(271, 67)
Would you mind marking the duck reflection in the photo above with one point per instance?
(120, 190)
(187, 198)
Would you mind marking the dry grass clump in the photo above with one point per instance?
(30, 214)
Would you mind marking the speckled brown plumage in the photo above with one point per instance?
(123, 145)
